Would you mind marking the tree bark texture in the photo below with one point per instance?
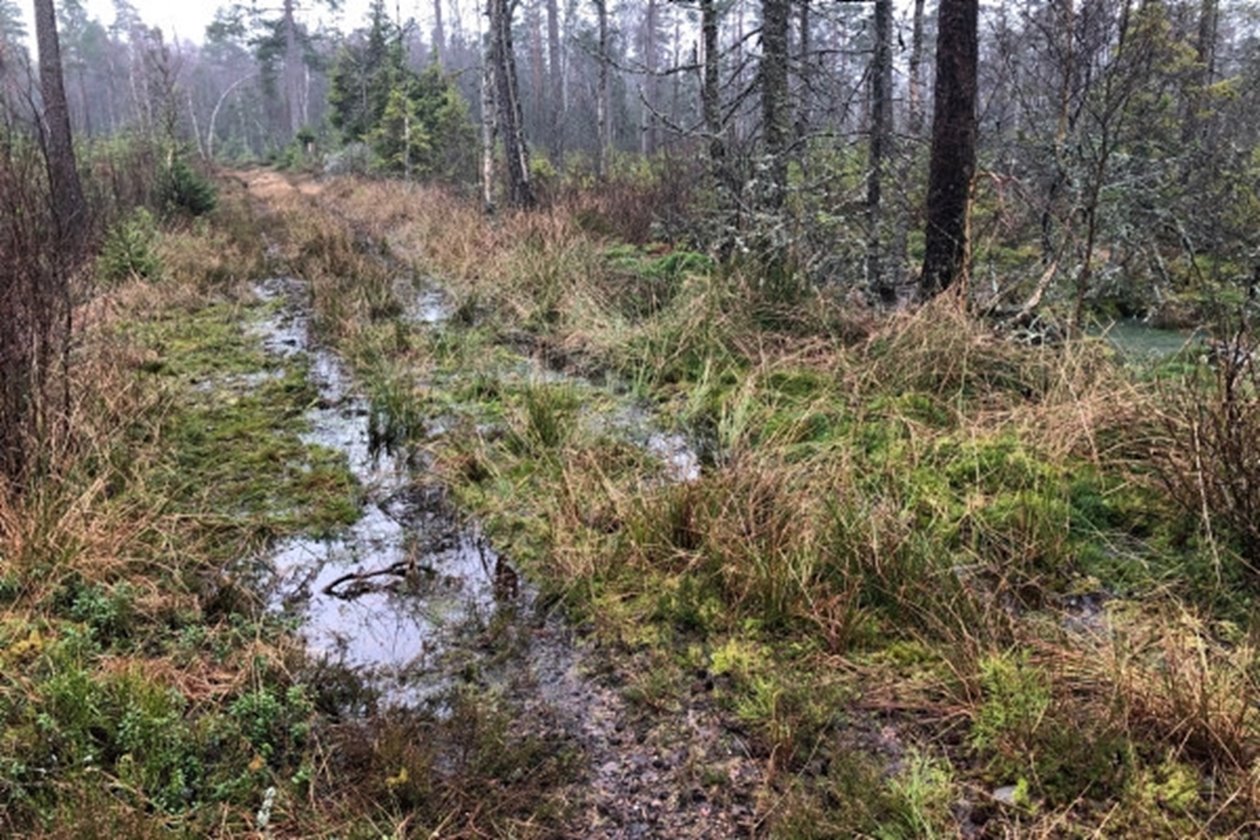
(69, 209)
(602, 122)
(439, 33)
(555, 75)
(489, 111)
(804, 71)
(916, 71)
(507, 94)
(1204, 72)
(647, 123)
(953, 157)
(292, 70)
(775, 110)
(881, 85)
(1059, 177)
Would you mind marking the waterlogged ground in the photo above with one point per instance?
(388, 595)
(785, 585)
(414, 601)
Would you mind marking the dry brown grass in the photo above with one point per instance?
(809, 538)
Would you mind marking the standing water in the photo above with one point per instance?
(1140, 342)
(388, 597)
(405, 598)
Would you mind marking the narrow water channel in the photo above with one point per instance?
(391, 594)
(410, 599)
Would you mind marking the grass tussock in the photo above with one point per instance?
(938, 581)
(909, 515)
(145, 690)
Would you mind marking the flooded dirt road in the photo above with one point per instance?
(415, 602)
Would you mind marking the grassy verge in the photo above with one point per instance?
(933, 576)
(145, 690)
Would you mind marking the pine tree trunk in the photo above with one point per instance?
(804, 72)
(541, 96)
(1204, 71)
(69, 209)
(881, 150)
(916, 70)
(439, 33)
(775, 117)
(953, 159)
(555, 76)
(647, 123)
(292, 71)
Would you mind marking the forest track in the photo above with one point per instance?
(674, 772)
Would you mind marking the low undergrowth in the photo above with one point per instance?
(145, 688)
(937, 582)
(933, 576)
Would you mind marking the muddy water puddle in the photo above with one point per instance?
(413, 600)
(394, 594)
(402, 595)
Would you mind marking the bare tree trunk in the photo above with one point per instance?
(439, 33)
(804, 72)
(738, 127)
(647, 122)
(292, 70)
(710, 89)
(776, 120)
(69, 209)
(905, 166)
(555, 77)
(675, 94)
(507, 94)
(1204, 71)
(81, 74)
(916, 71)
(1209, 14)
(214, 115)
(489, 110)
(953, 160)
(881, 81)
(603, 145)
(196, 127)
(1067, 80)
(541, 97)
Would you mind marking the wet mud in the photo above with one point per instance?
(414, 602)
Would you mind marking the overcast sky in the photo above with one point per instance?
(188, 18)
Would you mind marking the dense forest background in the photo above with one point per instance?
(1114, 138)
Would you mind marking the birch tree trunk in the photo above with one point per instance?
(489, 109)
(603, 144)
(507, 94)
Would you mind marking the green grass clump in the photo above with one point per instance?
(920, 563)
